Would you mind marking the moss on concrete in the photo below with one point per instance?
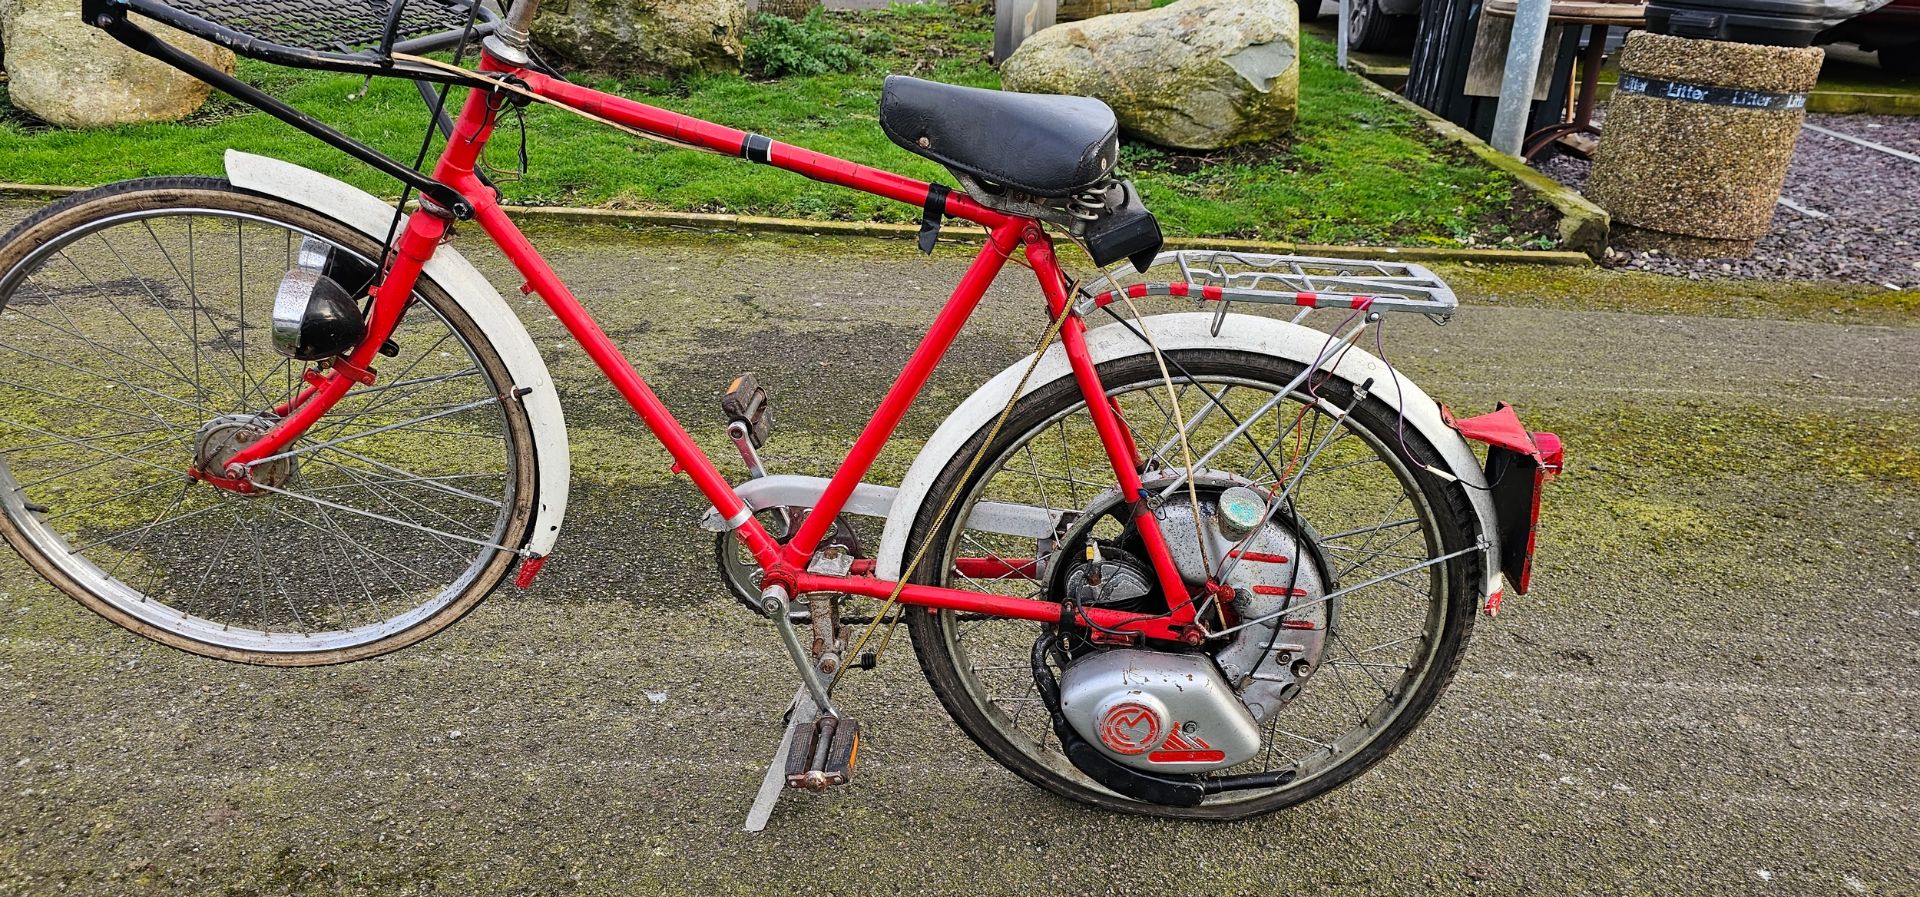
(1634, 291)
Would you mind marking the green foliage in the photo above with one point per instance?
(779, 46)
(1357, 170)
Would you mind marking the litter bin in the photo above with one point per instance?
(1697, 141)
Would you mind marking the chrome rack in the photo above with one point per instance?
(1305, 282)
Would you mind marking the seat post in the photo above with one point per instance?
(508, 43)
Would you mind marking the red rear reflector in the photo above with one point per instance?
(529, 569)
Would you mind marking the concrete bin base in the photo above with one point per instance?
(1640, 239)
(1697, 139)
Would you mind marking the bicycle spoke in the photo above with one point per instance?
(71, 441)
(372, 516)
(198, 409)
(260, 573)
(93, 346)
(22, 449)
(433, 483)
(339, 532)
(383, 496)
(130, 455)
(162, 355)
(199, 391)
(308, 449)
(145, 532)
(138, 490)
(95, 405)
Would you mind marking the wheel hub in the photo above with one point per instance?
(223, 437)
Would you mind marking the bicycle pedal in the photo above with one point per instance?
(824, 752)
(746, 403)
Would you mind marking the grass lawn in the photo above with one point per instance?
(1358, 170)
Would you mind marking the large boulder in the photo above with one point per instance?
(75, 76)
(1198, 74)
(643, 36)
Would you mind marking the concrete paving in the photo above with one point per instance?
(1713, 688)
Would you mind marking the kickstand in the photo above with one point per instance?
(802, 712)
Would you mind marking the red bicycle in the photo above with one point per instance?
(1203, 564)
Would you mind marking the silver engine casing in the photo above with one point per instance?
(1186, 713)
(1158, 711)
(1267, 662)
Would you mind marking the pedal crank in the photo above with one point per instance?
(749, 419)
(820, 745)
(773, 602)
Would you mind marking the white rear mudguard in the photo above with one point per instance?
(470, 290)
(1244, 333)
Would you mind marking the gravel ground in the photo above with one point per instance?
(1870, 200)
(1712, 689)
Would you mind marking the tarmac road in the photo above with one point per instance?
(1713, 688)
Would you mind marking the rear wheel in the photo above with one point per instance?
(1391, 651)
(135, 344)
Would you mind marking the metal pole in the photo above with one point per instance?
(1016, 20)
(1340, 33)
(1523, 67)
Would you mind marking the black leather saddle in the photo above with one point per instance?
(1037, 144)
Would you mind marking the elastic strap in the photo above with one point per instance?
(931, 214)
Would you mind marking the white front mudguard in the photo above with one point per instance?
(470, 290)
(1245, 333)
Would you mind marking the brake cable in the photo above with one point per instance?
(973, 463)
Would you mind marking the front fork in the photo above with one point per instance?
(424, 231)
(427, 227)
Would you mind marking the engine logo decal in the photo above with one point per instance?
(1182, 748)
(1130, 728)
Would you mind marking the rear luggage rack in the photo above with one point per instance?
(1306, 282)
(356, 36)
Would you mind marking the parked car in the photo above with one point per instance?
(1377, 25)
(1892, 32)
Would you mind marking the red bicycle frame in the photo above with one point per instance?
(782, 565)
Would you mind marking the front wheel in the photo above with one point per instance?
(1374, 515)
(136, 344)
